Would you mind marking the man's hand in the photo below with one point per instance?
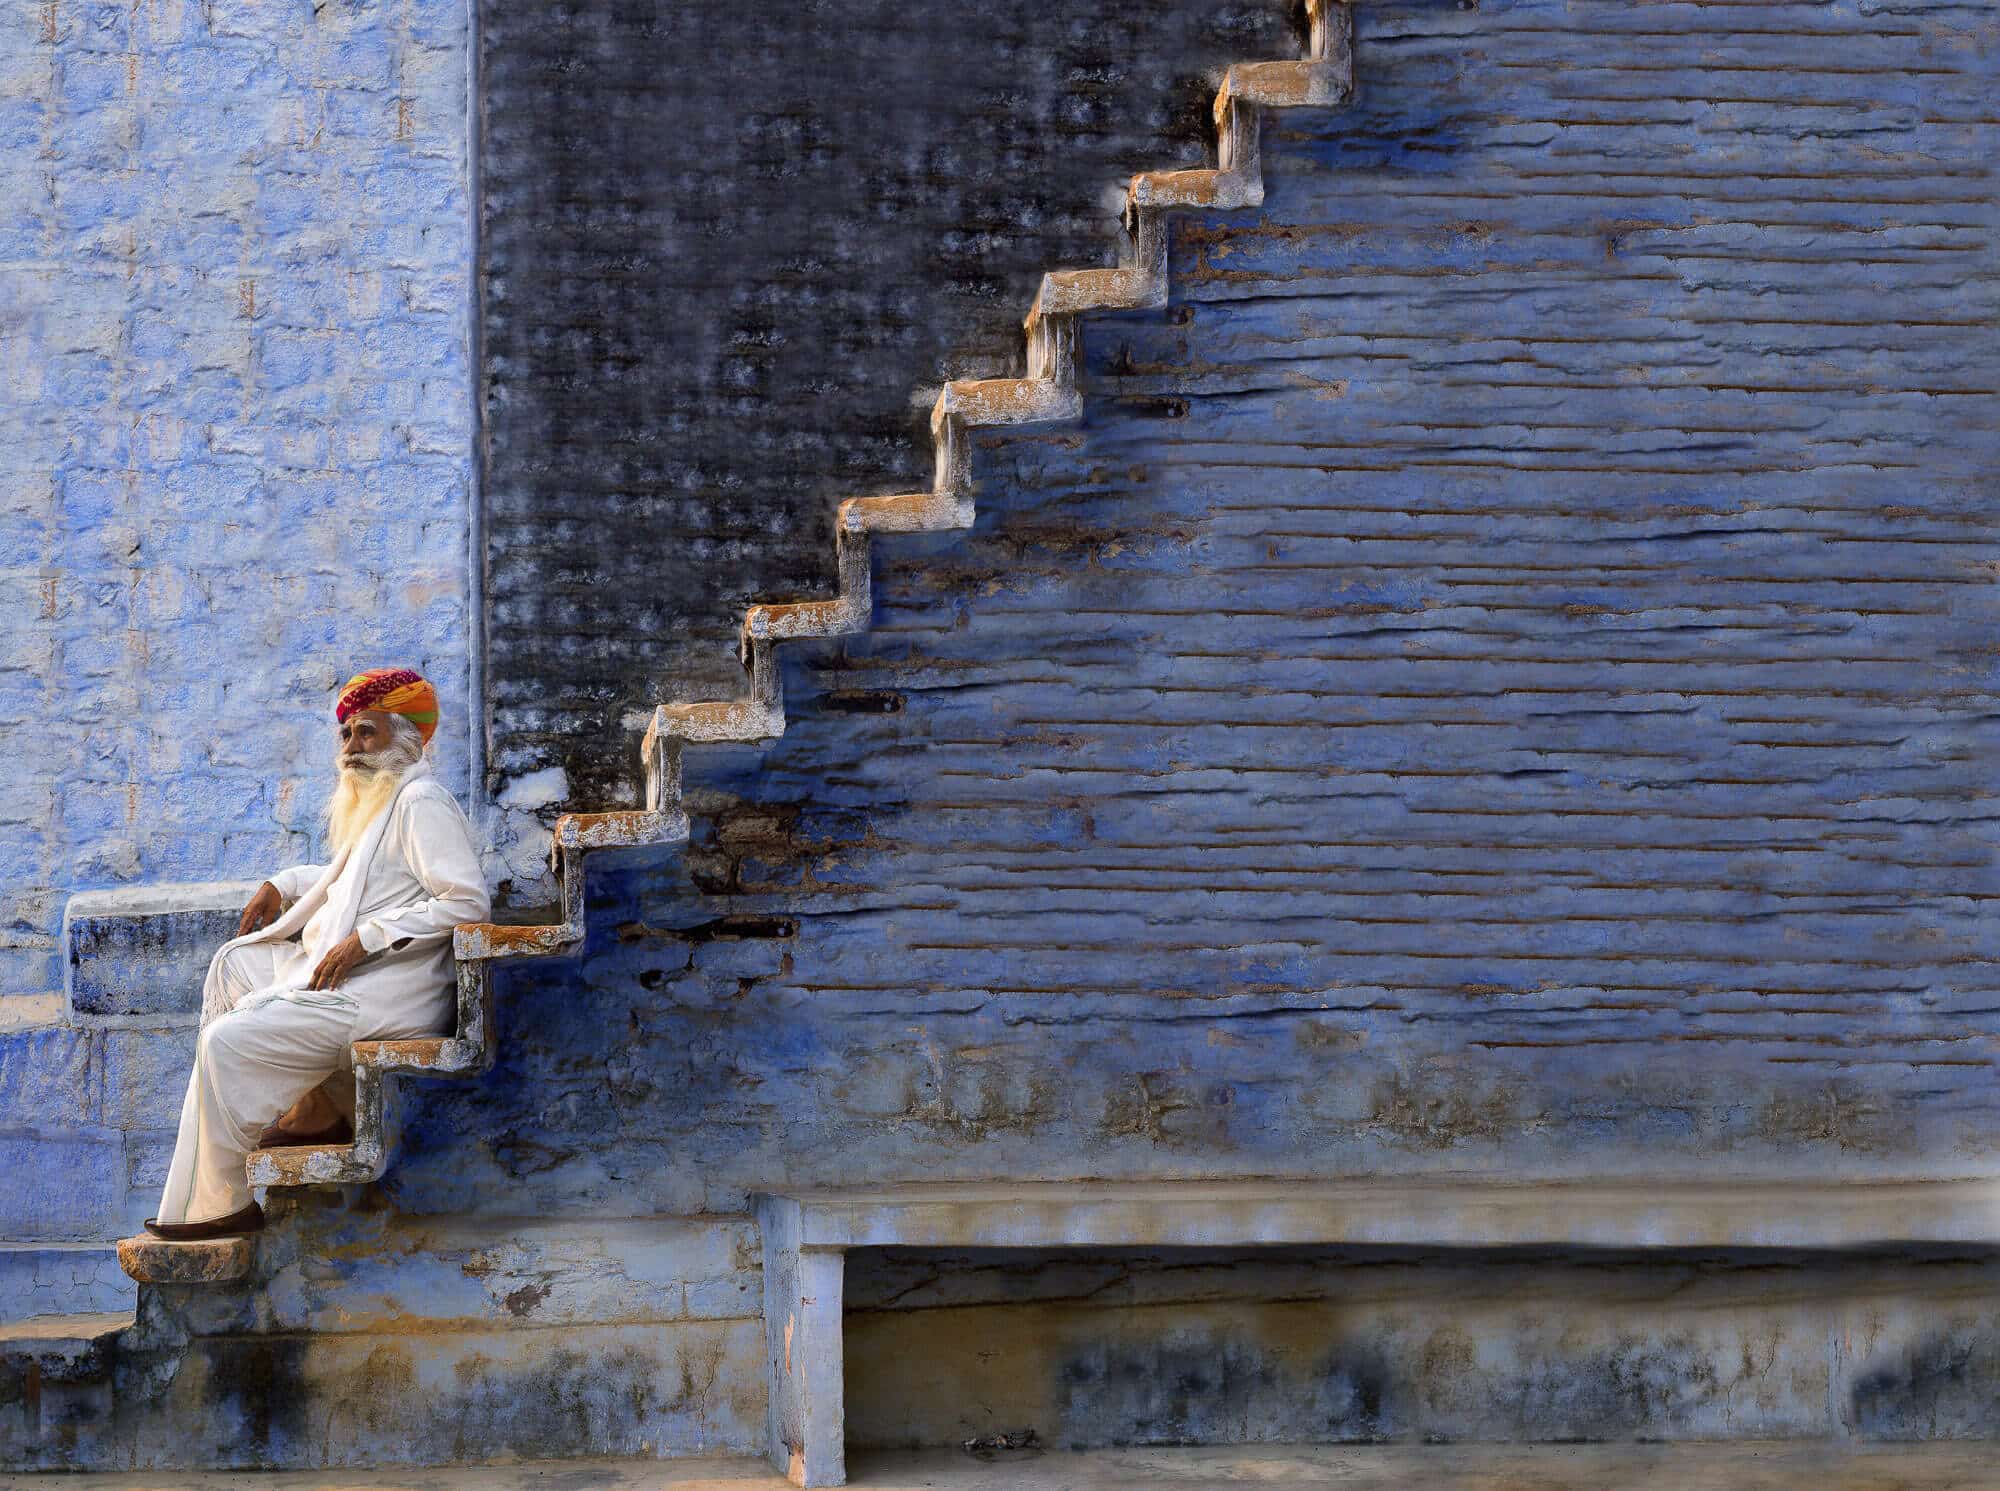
(337, 964)
(262, 910)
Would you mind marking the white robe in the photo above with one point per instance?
(266, 1039)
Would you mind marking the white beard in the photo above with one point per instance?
(362, 792)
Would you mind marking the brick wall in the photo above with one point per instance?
(235, 463)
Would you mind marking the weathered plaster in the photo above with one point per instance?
(236, 444)
(1496, 682)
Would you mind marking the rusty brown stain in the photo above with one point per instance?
(626, 821)
(496, 935)
(522, 1302)
(422, 1050)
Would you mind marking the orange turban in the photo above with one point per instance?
(397, 690)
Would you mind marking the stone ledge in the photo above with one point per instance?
(138, 955)
(1744, 1465)
(152, 1260)
(63, 1346)
(1445, 1212)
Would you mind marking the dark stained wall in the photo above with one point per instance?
(730, 251)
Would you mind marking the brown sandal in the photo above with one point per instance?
(250, 1219)
(277, 1136)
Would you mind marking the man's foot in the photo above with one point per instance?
(236, 1224)
(277, 1136)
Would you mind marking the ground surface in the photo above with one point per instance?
(1699, 1467)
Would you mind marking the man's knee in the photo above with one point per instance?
(215, 1032)
(231, 963)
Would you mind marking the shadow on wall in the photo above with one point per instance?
(1095, 1349)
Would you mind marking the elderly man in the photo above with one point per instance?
(326, 955)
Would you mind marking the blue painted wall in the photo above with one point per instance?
(1501, 677)
(236, 463)
(1499, 680)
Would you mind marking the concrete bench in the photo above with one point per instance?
(808, 1234)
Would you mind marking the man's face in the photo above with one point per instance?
(362, 734)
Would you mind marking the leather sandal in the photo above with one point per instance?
(277, 1136)
(236, 1224)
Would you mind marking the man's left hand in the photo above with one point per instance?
(338, 963)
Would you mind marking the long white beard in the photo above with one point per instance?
(364, 789)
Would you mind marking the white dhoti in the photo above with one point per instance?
(272, 1042)
(266, 1039)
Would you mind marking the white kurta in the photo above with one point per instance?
(266, 1039)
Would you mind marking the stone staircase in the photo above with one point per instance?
(1049, 394)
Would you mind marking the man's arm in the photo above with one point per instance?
(271, 898)
(438, 845)
(295, 882)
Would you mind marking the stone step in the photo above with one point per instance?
(915, 512)
(1006, 401)
(1287, 85)
(577, 832)
(436, 1056)
(59, 1348)
(1066, 292)
(1216, 190)
(828, 618)
(720, 720)
(151, 1260)
(491, 941)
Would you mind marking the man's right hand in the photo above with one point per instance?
(262, 910)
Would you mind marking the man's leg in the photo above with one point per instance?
(235, 972)
(319, 1108)
(250, 1065)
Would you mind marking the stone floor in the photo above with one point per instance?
(1971, 1466)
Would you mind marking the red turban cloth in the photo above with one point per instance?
(397, 690)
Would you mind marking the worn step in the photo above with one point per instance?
(318, 1164)
(618, 829)
(437, 1056)
(1006, 401)
(477, 941)
(1220, 190)
(1065, 292)
(1287, 85)
(786, 619)
(60, 1348)
(913, 512)
(153, 1260)
(719, 720)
